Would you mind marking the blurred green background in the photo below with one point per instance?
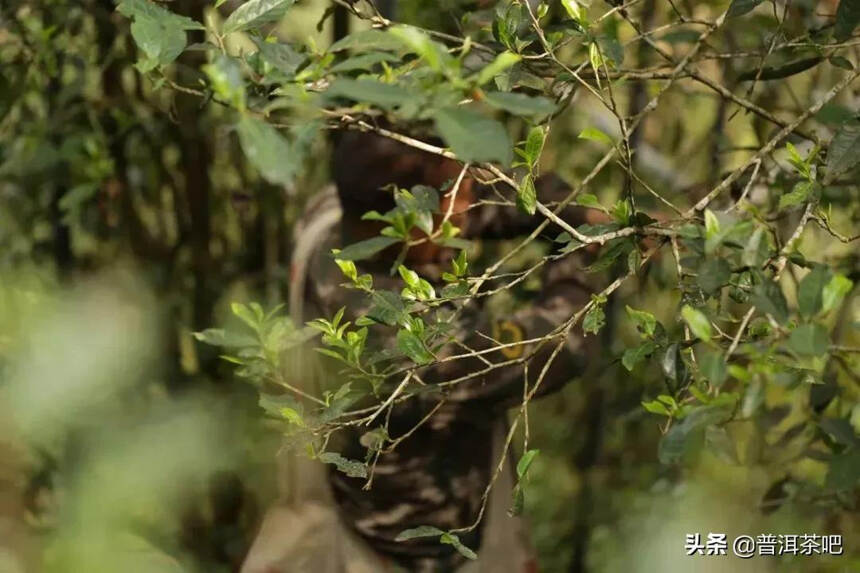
(129, 219)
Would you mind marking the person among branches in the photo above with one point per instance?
(441, 466)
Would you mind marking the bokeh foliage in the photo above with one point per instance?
(720, 139)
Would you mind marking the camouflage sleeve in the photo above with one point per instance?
(565, 293)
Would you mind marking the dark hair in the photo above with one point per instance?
(365, 165)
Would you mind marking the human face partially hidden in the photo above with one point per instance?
(461, 197)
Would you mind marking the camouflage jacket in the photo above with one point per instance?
(438, 475)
